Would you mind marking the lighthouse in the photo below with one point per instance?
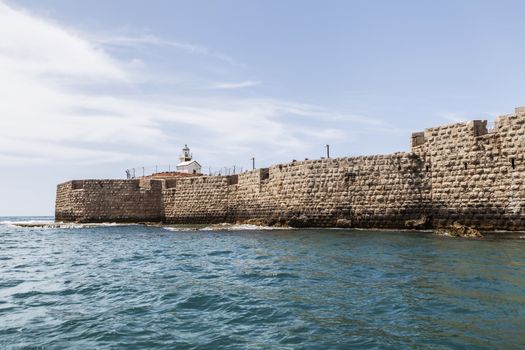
(187, 164)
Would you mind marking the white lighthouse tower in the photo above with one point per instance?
(187, 164)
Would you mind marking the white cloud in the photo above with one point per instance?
(151, 40)
(54, 109)
(32, 46)
(238, 85)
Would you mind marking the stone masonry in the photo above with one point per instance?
(462, 172)
(109, 201)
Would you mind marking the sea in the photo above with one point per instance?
(109, 286)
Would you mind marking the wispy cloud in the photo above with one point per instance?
(151, 40)
(55, 106)
(232, 86)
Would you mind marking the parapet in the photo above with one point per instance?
(479, 127)
(418, 138)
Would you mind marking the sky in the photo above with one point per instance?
(89, 88)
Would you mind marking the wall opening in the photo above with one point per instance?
(465, 165)
(512, 162)
(427, 168)
(264, 174)
(233, 179)
(171, 183)
(77, 184)
(350, 177)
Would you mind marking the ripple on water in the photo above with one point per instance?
(220, 252)
(237, 288)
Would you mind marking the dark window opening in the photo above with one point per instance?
(171, 183)
(512, 163)
(77, 184)
(264, 174)
(233, 179)
(427, 168)
(350, 177)
(465, 165)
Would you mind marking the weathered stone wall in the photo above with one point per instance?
(203, 199)
(64, 204)
(374, 191)
(462, 172)
(477, 175)
(253, 197)
(109, 201)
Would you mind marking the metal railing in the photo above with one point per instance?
(211, 170)
(143, 171)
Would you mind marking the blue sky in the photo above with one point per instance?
(90, 88)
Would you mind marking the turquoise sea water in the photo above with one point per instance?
(136, 287)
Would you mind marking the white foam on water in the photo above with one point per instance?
(241, 227)
(180, 229)
(49, 224)
(26, 223)
(225, 227)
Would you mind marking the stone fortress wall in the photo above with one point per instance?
(109, 201)
(463, 172)
(478, 173)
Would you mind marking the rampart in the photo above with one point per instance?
(462, 172)
(109, 201)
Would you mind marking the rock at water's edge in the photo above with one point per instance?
(458, 230)
(343, 223)
(301, 221)
(418, 224)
